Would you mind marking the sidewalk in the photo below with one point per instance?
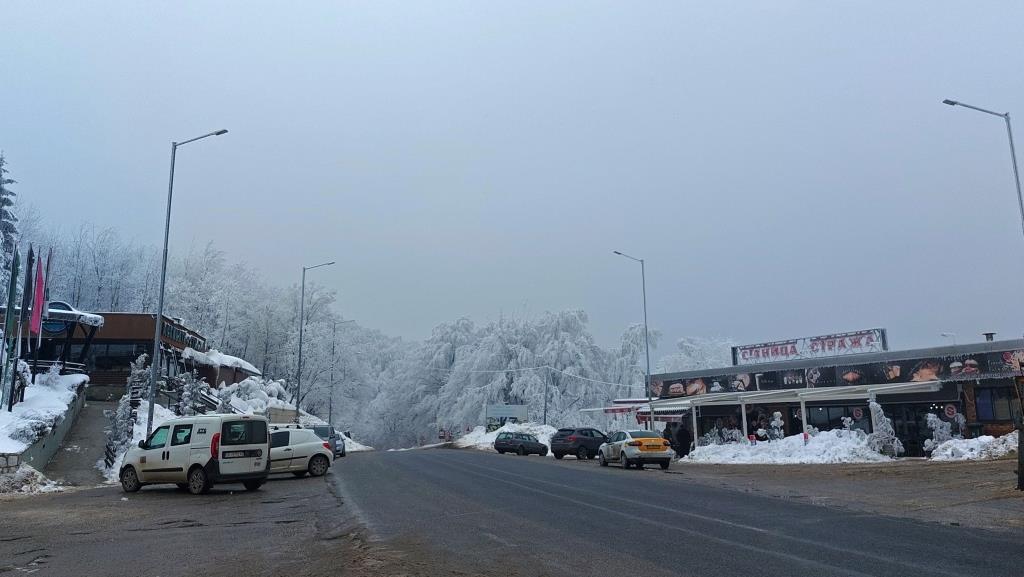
(75, 461)
(974, 494)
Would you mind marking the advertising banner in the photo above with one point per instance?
(498, 415)
(852, 343)
(965, 367)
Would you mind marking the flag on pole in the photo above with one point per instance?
(9, 318)
(45, 311)
(35, 326)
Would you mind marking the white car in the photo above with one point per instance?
(629, 448)
(197, 452)
(299, 451)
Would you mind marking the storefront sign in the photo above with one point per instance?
(866, 341)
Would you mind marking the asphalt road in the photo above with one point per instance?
(484, 513)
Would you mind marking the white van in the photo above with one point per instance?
(197, 452)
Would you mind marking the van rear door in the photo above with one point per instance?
(243, 446)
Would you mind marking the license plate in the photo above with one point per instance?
(234, 454)
(653, 447)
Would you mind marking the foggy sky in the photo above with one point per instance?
(786, 168)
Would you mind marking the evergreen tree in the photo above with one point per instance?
(138, 380)
(8, 221)
(189, 388)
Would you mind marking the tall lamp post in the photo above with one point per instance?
(1013, 152)
(647, 343)
(155, 366)
(302, 326)
(1019, 418)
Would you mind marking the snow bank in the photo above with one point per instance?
(255, 395)
(160, 414)
(45, 403)
(984, 447)
(836, 446)
(354, 446)
(215, 358)
(27, 481)
(481, 440)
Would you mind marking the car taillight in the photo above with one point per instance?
(634, 443)
(215, 446)
(327, 446)
(571, 439)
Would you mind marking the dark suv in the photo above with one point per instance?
(519, 443)
(582, 442)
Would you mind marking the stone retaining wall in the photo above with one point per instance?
(38, 454)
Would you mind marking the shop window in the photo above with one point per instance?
(993, 403)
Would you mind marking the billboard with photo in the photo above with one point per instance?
(498, 415)
(944, 368)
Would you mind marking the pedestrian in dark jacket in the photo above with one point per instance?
(683, 441)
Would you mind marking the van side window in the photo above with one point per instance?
(279, 439)
(182, 435)
(158, 438)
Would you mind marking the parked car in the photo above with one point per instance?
(519, 443)
(583, 442)
(198, 452)
(337, 441)
(635, 448)
(299, 451)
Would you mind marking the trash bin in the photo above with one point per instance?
(974, 430)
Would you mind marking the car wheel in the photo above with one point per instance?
(521, 451)
(198, 482)
(623, 461)
(318, 465)
(544, 452)
(299, 474)
(252, 485)
(664, 464)
(130, 480)
(559, 455)
(582, 454)
(601, 459)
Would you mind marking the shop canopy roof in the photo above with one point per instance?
(851, 392)
(846, 393)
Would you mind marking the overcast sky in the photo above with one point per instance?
(786, 168)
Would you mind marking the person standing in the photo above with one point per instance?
(683, 441)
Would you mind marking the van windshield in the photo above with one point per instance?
(243, 433)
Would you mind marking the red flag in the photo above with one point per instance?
(36, 326)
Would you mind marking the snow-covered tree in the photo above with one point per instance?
(942, 431)
(8, 220)
(189, 386)
(695, 353)
(138, 378)
(883, 439)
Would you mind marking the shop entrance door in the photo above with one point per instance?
(909, 422)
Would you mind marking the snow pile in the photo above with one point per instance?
(984, 447)
(27, 480)
(481, 440)
(354, 446)
(255, 395)
(215, 358)
(837, 446)
(45, 404)
(160, 414)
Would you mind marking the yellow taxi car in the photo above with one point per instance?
(635, 448)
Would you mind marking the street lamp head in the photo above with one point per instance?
(950, 102)
(618, 253)
(220, 132)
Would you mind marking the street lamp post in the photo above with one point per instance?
(1013, 152)
(155, 364)
(647, 343)
(949, 336)
(302, 326)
